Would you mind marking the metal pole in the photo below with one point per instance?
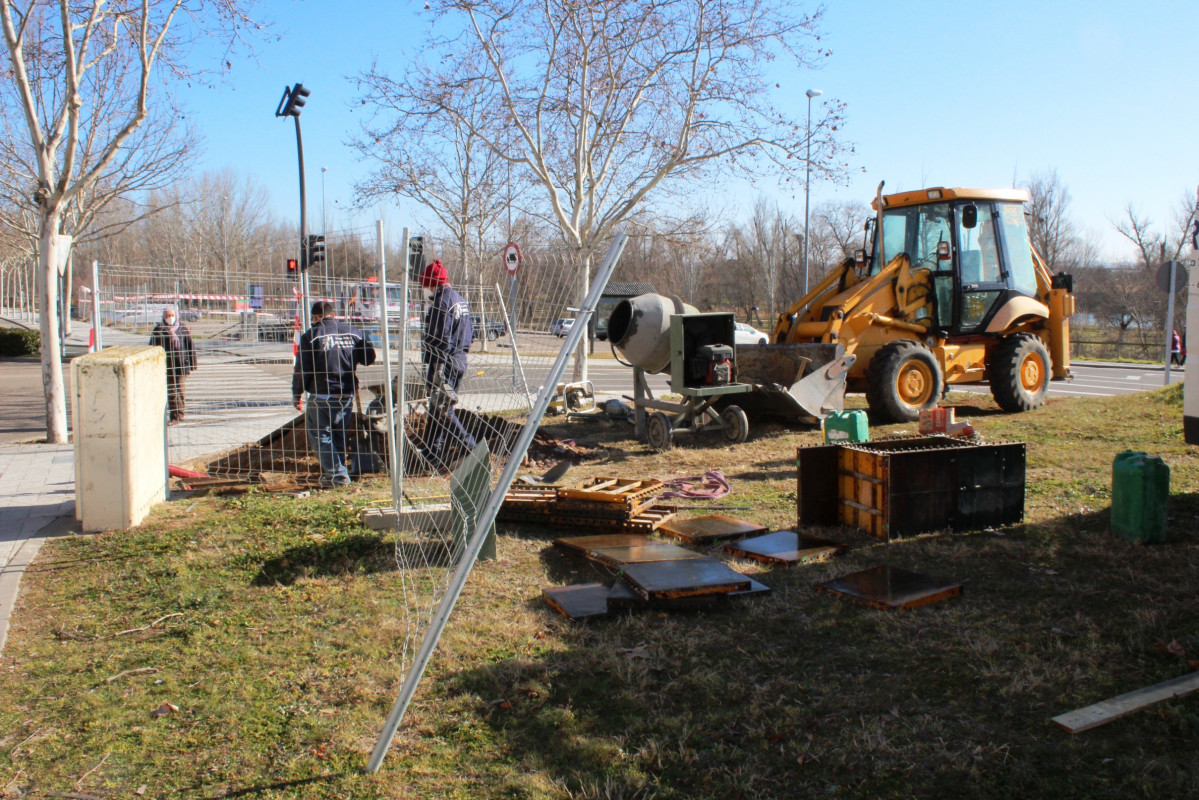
(324, 224)
(306, 315)
(807, 186)
(484, 520)
(96, 304)
(520, 369)
(394, 452)
(1170, 319)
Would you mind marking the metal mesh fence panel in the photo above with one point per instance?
(458, 453)
(449, 440)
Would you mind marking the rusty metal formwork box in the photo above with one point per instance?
(904, 486)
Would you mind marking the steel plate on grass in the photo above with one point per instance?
(623, 598)
(888, 587)
(655, 551)
(584, 544)
(580, 601)
(787, 547)
(699, 530)
(687, 578)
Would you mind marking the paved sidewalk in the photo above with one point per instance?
(37, 501)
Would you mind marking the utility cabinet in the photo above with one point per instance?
(119, 412)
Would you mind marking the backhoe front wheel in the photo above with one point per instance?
(903, 377)
(1019, 371)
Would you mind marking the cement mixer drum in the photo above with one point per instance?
(640, 329)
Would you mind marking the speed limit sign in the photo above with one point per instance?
(512, 258)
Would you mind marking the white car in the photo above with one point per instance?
(561, 327)
(748, 334)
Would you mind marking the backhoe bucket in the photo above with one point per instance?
(794, 380)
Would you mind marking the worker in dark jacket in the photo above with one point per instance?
(174, 337)
(329, 352)
(447, 337)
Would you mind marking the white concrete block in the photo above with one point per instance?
(120, 435)
(426, 518)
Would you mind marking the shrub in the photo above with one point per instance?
(19, 342)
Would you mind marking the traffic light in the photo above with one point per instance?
(293, 268)
(416, 256)
(316, 250)
(293, 101)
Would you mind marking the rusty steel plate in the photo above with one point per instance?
(785, 547)
(699, 530)
(889, 587)
(655, 551)
(686, 578)
(585, 544)
(580, 601)
(623, 598)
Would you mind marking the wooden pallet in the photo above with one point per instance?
(622, 491)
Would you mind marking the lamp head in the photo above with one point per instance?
(813, 93)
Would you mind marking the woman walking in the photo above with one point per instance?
(174, 337)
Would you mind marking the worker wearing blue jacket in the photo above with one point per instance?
(328, 354)
(447, 338)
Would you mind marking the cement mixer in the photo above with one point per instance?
(722, 385)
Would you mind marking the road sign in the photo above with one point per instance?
(1163, 276)
(256, 295)
(512, 258)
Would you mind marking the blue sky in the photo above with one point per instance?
(938, 93)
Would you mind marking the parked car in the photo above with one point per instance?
(495, 328)
(562, 326)
(748, 334)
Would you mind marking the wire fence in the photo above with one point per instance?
(449, 440)
(446, 511)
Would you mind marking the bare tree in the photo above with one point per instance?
(838, 232)
(1141, 301)
(439, 159)
(614, 102)
(64, 59)
(1051, 230)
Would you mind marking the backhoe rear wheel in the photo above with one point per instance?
(1019, 371)
(903, 377)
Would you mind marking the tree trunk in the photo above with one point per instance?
(580, 369)
(52, 380)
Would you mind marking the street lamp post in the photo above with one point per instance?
(807, 185)
(294, 98)
(324, 223)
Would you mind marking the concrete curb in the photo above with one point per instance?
(10, 574)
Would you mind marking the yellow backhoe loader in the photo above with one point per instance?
(951, 292)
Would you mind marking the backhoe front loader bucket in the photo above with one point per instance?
(794, 380)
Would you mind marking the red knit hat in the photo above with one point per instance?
(434, 275)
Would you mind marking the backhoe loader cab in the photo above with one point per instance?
(952, 293)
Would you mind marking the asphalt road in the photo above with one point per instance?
(1102, 379)
(1091, 378)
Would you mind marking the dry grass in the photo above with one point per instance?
(282, 663)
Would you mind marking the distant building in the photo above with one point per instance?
(613, 294)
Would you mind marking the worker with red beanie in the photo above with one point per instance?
(447, 338)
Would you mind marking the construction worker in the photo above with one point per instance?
(328, 354)
(447, 338)
(174, 337)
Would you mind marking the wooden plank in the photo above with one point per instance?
(1101, 713)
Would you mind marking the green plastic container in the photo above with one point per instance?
(1140, 493)
(846, 426)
